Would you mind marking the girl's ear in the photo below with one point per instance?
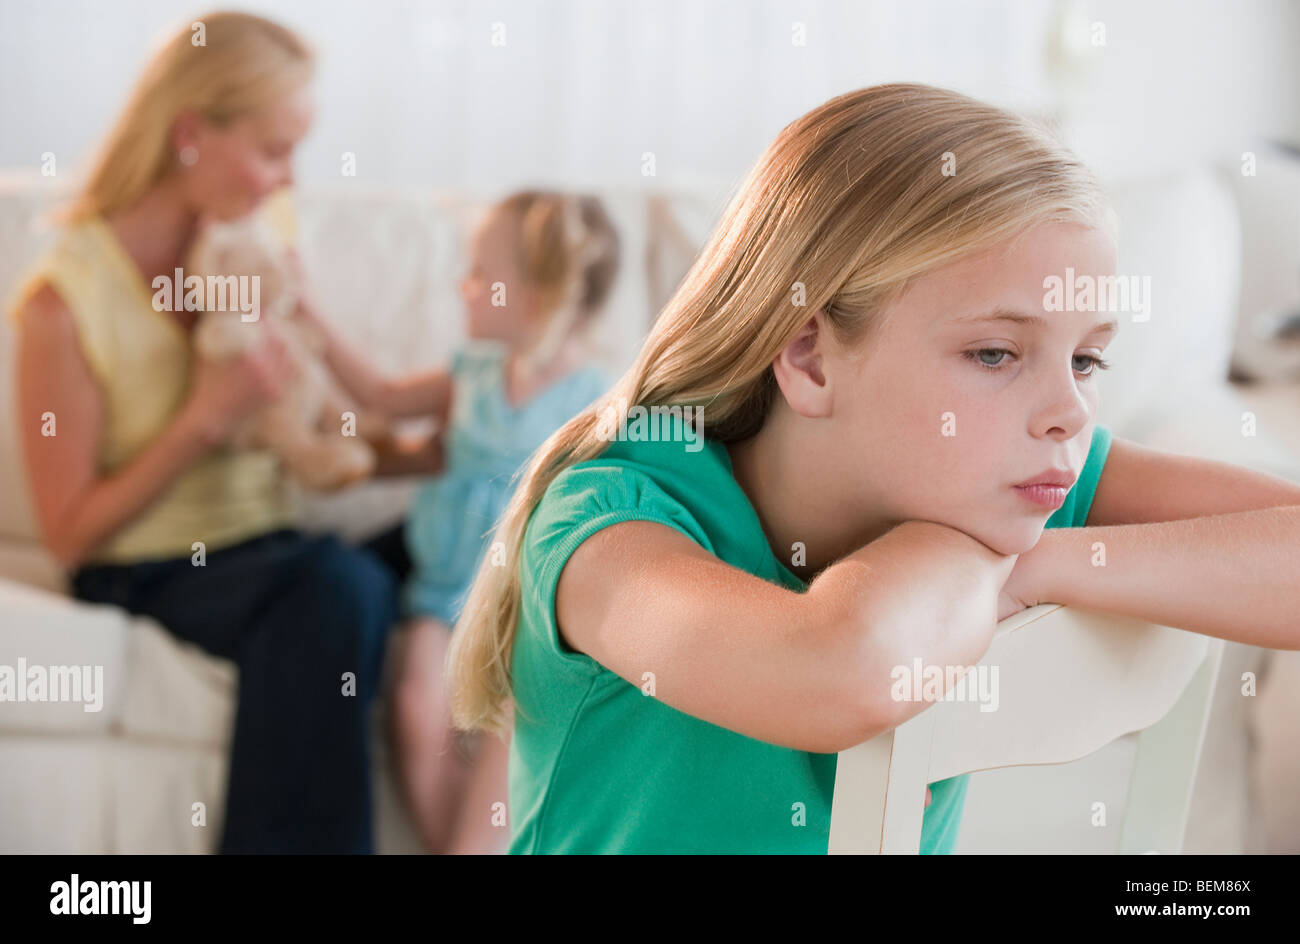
(800, 370)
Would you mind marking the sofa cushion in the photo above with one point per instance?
(44, 632)
(175, 691)
(154, 686)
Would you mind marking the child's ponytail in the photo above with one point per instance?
(569, 253)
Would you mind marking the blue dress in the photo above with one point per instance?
(454, 515)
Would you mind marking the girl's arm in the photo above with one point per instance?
(78, 510)
(423, 393)
(810, 671)
(1140, 484)
(1235, 576)
(1191, 543)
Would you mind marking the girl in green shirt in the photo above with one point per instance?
(860, 433)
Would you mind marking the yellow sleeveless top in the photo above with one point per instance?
(141, 358)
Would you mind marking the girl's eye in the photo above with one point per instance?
(1091, 361)
(1095, 363)
(978, 359)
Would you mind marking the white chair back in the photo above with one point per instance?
(1067, 682)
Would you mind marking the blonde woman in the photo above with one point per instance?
(138, 478)
(897, 449)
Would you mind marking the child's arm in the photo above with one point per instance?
(1191, 543)
(810, 671)
(1140, 485)
(1235, 576)
(425, 393)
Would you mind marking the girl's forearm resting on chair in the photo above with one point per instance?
(1234, 576)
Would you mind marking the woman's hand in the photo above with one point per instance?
(223, 394)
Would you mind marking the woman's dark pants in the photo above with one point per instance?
(305, 618)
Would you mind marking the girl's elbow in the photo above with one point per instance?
(859, 648)
(870, 708)
(854, 723)
(870, 716)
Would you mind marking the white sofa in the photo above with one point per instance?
(124, 779)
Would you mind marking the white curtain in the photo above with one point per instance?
(577, 91)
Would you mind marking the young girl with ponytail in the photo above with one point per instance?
(542, 266)
(900, 449)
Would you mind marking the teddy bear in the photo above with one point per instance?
(321, 441)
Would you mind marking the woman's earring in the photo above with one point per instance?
(189, 155)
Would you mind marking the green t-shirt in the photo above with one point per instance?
(596, 766)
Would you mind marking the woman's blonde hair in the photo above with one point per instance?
(223, 65)
(568, 251)
(850, 202)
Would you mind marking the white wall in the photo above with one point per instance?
(582, 88)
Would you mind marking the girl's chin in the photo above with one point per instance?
(1009, 541)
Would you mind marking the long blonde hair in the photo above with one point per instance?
(850, 202)
(243, 62)
(568, 250)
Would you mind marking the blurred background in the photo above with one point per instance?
(575, 90)
(1188, 111)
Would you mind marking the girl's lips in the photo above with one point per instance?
(1045, 496)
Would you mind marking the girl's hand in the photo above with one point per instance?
(224, 394)
(1021, 590)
